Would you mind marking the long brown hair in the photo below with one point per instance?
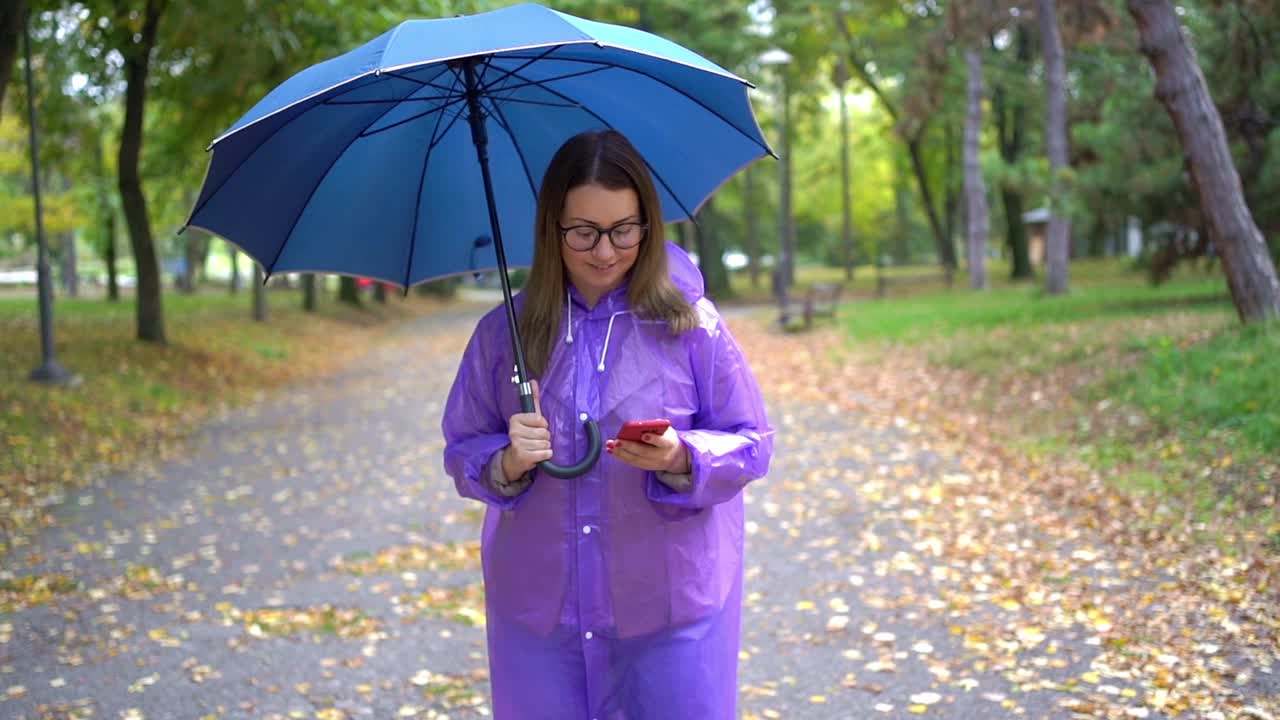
(605, 158)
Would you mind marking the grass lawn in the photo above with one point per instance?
(1158, 388)
(134, 397)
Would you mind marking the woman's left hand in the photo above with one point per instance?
(660, 453)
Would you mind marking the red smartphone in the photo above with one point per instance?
(635, 429)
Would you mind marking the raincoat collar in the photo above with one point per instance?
(613, 301)
(684, 273)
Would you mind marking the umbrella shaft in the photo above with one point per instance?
(480, 137)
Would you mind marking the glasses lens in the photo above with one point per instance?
(627, 234)
(581, 237)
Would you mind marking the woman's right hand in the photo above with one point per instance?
(530, 437)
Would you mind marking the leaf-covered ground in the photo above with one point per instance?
(307, 558)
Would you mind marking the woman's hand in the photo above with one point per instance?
(660, 453)
(530, 441)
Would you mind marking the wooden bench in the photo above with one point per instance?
(820, 300)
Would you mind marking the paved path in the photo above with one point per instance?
(308, 558)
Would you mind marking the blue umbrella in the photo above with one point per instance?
(371, 163)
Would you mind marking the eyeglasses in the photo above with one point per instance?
(584, 238)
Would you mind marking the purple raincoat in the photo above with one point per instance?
(611, 596)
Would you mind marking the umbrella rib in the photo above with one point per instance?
(254, 151)
(540, 103)
(506, 126)
(656, 79)
(424, 83)
(381, 102)
(609, 125)
(440, 109)
(303, 208)
(422, 179)
(540, 83)
(506, 74)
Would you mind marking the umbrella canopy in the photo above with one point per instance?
(367, 164)
(373, 163)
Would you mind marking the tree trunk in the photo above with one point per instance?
(1012, 130)
(379, 292)
(193, 253)
(1058, 239)
(348, 292)
(682, 235)
(786, 223)
(259, 294)
(900, 251)
(309, 292)
(1180, 87)
(150, 311)
(12, 17)
(106, 216)
(70, 265)
(975, 189)
(946, 252)
(1016, 234)
(846, 211)
(950, 204)
(753, 225)
(235, 268)
(715, 277)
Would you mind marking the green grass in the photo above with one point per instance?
(1160, 387)
(135, 394)
(1229, 382)
(927, 317)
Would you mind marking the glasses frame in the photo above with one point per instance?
(601, 232)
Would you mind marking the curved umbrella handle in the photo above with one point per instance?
(583, 465)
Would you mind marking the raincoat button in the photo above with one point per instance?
(586, 529)
(588, 635)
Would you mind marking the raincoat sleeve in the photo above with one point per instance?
(474, 429)
(731, 441)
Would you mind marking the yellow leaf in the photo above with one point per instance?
(1092, 677)
(917, 709)
(817, 699)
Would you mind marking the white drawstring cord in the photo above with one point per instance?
(605, 350)
(568, 338)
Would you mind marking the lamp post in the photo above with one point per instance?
(785, 272)
(49, 371)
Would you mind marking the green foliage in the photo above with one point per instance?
(1226, 383)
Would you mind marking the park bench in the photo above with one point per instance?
(820, 300)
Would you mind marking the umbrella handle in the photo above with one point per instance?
(583, 465)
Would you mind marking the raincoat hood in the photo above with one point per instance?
(686, 276)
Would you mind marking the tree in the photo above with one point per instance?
(911, 125)
(309, 292)
(1009, 110)
(975, 190)
(1058, 238)
(135, 35)
(12, 17)
(259, 294)
(846, 203)
(1181, 88)
(347, 291)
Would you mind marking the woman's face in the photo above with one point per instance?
(596, 271)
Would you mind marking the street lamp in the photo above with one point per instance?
(785, 271)
(49, 371)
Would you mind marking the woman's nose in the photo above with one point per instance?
(604, 249)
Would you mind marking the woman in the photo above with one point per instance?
(615, 595)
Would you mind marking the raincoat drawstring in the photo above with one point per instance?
(568, 338)
(605, 350)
